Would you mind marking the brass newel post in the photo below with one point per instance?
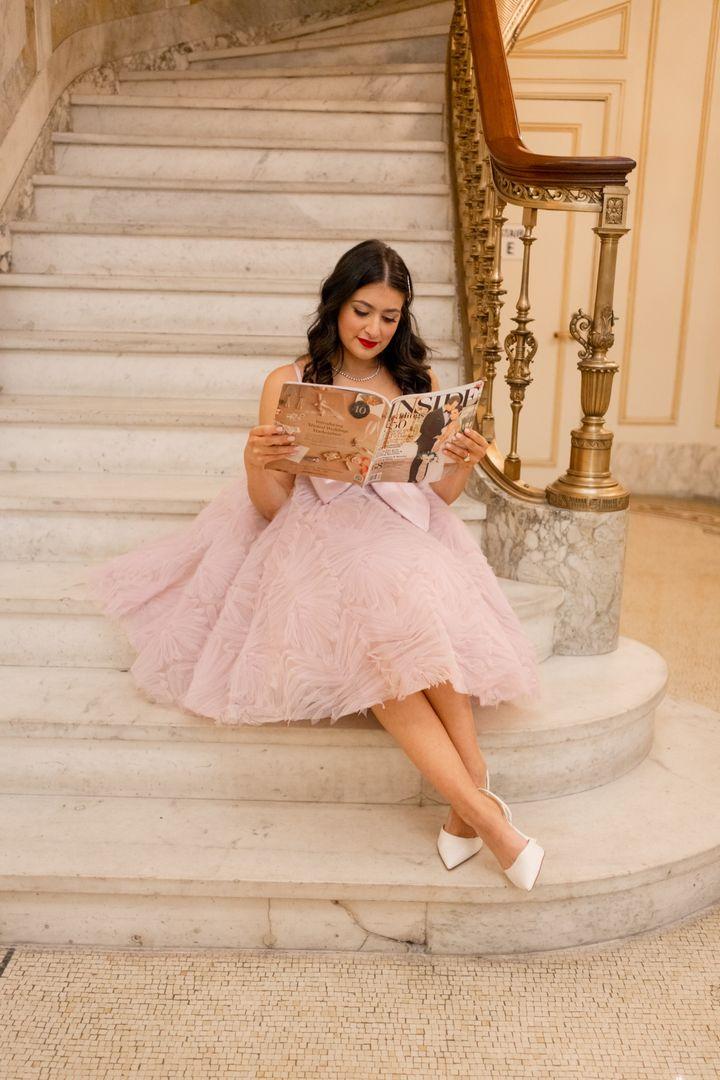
(588, 483)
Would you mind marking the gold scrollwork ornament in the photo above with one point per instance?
(598, 339)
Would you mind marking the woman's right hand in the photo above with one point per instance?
(267, 442)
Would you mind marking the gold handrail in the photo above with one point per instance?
(493, 167)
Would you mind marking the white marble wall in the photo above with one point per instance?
(685, 470)
(154, 40)
(584, 552)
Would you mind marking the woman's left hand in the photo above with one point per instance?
(467, 447)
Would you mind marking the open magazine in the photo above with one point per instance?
(363, 437)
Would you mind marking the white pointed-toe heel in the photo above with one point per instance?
(458, 849)
(524, 871)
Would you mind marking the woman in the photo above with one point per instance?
(294, 597)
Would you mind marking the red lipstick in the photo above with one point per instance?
(367, 344)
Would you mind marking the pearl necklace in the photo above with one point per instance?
(356, 378)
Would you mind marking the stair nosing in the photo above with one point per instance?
(280, 187)
(345, 146)
(231, 232)
(351, 71)
(229, 104)
(251, 285)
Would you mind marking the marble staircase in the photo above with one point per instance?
(171, 262)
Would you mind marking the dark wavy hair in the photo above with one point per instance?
(406, 353)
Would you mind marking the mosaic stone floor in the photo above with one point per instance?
(644, 1008)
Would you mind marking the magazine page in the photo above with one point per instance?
(417, 428)
(337, 429)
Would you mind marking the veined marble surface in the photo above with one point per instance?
(680, 469)
(583, 551)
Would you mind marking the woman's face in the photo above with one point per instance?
(368, 320)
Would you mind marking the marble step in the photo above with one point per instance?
(41, 247)
(189, 157)
(621, 859)
(76, 517)
(90, 731)
(373, 122)
(242, 203)
(388, 17)
(389, 82)
(240, 305)
(398, 15)
(47, 619)
(145, 436)
(421, 45)
(198, 366)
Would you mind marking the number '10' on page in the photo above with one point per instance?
(363, 437)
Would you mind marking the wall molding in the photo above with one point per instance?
(525, 50)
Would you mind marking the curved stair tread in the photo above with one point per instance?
(621, 858)
(579, 699)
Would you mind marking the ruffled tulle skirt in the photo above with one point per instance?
(328, 609)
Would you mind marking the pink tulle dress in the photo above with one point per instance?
(350, 596)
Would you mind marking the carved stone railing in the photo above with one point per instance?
(492, 168)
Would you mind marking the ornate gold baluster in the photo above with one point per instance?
(588, 483)
(492, 304)
(520, 346)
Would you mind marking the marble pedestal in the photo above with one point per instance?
(584, 551)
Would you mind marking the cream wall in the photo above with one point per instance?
(641, 79)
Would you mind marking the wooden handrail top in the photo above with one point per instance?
(501, 129)
(519, 163)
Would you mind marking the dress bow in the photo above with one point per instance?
(408, 499)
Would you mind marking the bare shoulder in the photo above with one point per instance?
(271, 391)
(434, 381)
(284, 373)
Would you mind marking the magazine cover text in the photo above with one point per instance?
(417, 429)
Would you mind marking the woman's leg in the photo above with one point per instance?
(455, 713)
(416, 727)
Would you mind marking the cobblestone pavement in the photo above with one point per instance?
(648, 1007)
(645, 1007)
